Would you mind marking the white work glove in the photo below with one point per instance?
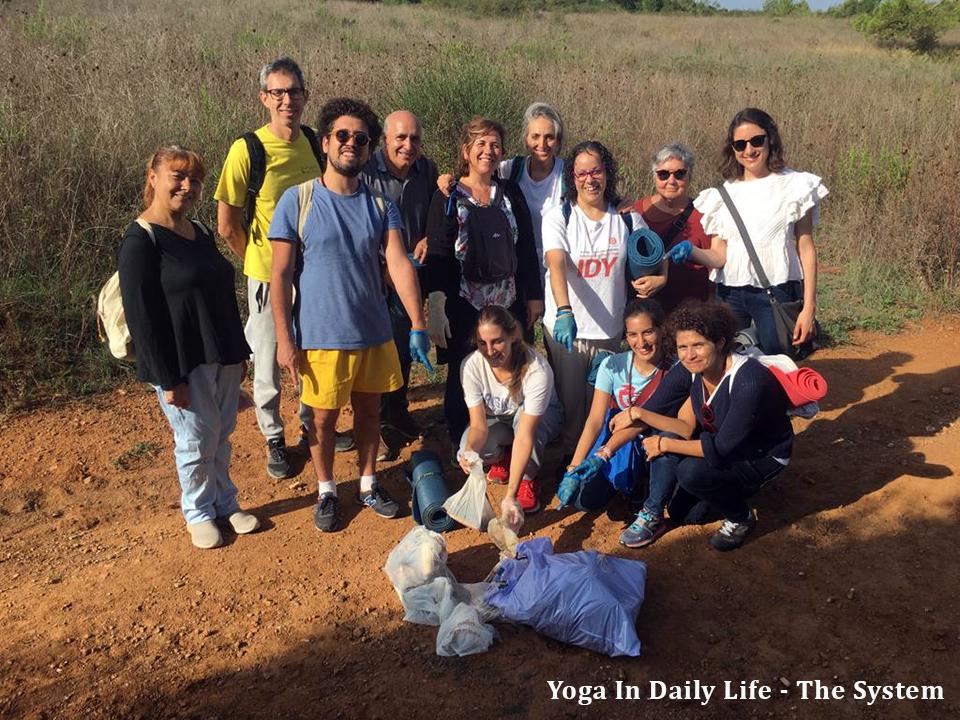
(438, 326)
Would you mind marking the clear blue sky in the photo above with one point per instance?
(758, 4)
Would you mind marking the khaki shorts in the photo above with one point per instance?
(329, 376)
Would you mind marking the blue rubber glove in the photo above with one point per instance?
(565, 330)
(420, 349)
(589, 468)
(679, 253)
(568, 488)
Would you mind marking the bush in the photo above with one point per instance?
(916, 23)
(785, 8)
(455, 85)
(852, 8)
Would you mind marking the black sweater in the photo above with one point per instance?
(745, 421)
(443, 271)
(179, 302)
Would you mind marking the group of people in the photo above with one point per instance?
(343, 245)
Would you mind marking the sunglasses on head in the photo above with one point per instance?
(755, 141)
(360, 138)
(665, 174)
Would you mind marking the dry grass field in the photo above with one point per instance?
(88, 89)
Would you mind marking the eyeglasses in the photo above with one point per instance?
(295, 93)
(665, 174)
(755, 141)
(360, 138)
(595, 173)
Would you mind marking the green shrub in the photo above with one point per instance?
(785, 8)
(872, 178)
(852, 8)
(916, 23)
(455, 85)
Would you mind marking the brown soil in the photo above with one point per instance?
(109, 612)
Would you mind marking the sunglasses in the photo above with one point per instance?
(360, 138)
(665, 174)
(755, 141)
(295, 93)
(707, 418)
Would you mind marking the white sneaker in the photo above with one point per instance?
(243, 522)
(205, 535)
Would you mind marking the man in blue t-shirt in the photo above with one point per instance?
(337, 338)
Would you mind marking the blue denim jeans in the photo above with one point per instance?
(201, 435)
(752, 303)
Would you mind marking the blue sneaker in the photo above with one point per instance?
(378, 500)
(643, 531)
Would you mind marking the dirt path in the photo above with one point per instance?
(108, 611)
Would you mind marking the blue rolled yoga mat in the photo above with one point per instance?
(429, 492)
(644, 252)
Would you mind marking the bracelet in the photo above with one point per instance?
(564, 307)
(603, 453)
(633, 421)
(659, 442)
(571, 467)
(421, 331)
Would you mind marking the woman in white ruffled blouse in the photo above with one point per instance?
(780, 208)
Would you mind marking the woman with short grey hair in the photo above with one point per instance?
(670, 213)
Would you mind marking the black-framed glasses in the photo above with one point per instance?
(360, 138)
(665, 174)
(755, 141)
(295, 93)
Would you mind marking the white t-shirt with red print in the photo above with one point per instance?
(595, 273)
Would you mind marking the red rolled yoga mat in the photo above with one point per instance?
(802, 386)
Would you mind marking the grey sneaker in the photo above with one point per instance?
(732, 535)
(278, 464)
(378, 500)
(643, 531)
(325, 515)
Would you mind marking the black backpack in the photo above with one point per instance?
(258, 167)
(491, 252)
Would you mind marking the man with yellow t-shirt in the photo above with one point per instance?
(288, 158)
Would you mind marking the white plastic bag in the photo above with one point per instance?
(464, 633)
(470, 506)
(419, 557)
(504, 537)
(430, 604)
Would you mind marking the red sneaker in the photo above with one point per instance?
(499, 471)
(527, 496)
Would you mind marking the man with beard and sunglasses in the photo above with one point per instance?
(328, 236)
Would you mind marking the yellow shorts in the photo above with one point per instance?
(329, 376)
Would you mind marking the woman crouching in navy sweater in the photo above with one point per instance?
(732, 435)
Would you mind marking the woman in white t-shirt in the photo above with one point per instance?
(780, 208)
(509, 393)
(585, 250)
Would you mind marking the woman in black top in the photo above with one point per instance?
(480, 252)
(181, 309)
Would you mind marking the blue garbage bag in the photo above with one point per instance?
(583, 598)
